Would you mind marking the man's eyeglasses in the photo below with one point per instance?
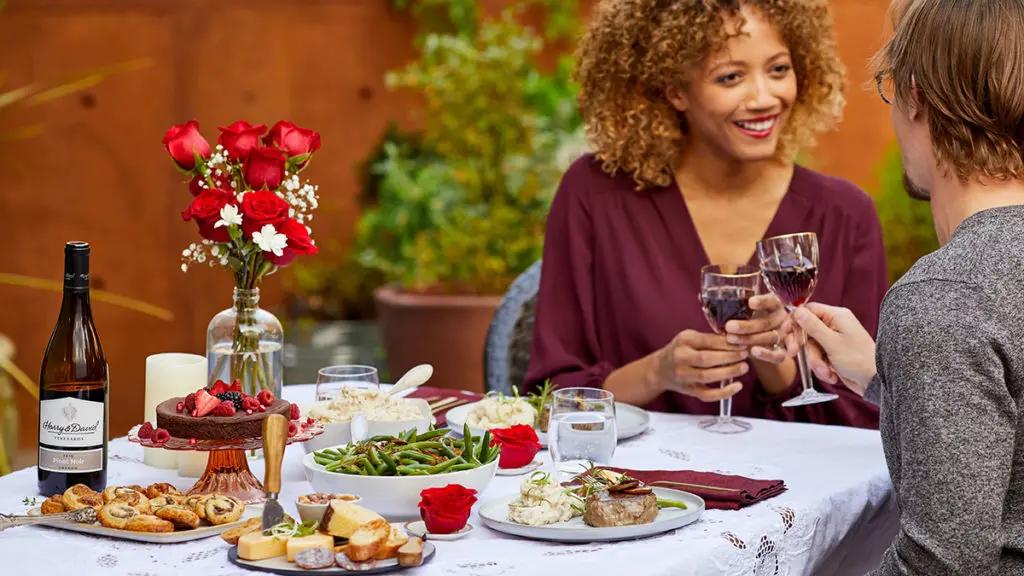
(886, 87)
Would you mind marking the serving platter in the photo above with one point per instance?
(279, 565)
(151, 537)
(630, 421)
(495, 515)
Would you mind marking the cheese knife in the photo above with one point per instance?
(275, 433)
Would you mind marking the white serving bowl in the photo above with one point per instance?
(341, 432)
(394, 497)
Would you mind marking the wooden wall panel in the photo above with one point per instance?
(99, 173)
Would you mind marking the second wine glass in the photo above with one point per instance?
(725, 294)
(789, 265)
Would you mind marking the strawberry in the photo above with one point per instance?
(219, 387)
(226, 408)
(266, 397)
(235, 386)
(292, 429)
(294, 412)
(190, 403)
(205, 403)
(146, 431)
(160, 436)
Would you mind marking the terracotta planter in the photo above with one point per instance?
(447, 331)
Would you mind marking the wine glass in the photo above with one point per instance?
(332, 379)
(725, 292)
(789, 265)
(582, 429)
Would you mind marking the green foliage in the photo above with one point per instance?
(461, 207)
(906, 223)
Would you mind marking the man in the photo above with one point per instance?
(950, 357)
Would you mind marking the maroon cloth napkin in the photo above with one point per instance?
(441, 393)
(719, 491)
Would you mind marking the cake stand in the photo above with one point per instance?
(227, 470)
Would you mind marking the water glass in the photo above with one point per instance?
(582, 429)
(332, 379)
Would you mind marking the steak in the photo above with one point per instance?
(620, 509)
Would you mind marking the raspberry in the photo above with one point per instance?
(294, 413)
(309, 421)
(226, 408)
(180, 407)
(292, 429)
(233, 397)
(262, 408)
(190, 403)
(160, 436)
(266, 397)
(250, 403)
(235, 386)
(219, 387)
(146, 431)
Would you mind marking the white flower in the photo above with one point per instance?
(184, 267)
(186, 253)
(229, 216)
(269, 240)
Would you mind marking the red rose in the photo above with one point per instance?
(299, 242)
(264, 168)
(240, 138)
(292, 139)
(446, 510)
(222, 181)
(183, 142)
(205, 210)
(519, 444)
(260, 208)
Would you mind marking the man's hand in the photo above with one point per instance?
(839, 348)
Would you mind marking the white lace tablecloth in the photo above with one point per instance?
(836, 518)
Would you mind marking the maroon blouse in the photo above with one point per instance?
(621, 275)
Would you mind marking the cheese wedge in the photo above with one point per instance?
(298, 544)
(343, 518)
(256, 546)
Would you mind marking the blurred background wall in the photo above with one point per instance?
(90, 165)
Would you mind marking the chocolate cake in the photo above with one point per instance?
(210, 427)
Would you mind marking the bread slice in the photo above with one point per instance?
(231, 536)
(367, 540)
(411, 553)
(342, 518)
(389, 549)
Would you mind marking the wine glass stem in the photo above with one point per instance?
(725, 404)
(801, 359)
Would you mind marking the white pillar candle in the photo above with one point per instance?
(167, 376)
(192, 464)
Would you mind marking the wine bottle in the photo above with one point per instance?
(73, 388)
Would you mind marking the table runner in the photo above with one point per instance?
(836, 517)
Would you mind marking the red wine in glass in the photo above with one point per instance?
(792, 284)
(724, 303)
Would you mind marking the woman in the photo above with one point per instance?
(695, 111)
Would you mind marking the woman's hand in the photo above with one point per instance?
(694, 363)
(761, 334)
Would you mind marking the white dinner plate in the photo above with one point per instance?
(279, 565)
(251, 510)
(630, 421)
(495, 515)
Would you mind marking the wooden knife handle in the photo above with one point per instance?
(275, 433)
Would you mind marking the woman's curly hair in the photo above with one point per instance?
(636, 49)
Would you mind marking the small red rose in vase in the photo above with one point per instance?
(446, 510)
(519, 444)
(253, 214)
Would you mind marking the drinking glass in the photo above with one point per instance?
(725, 292)
(789, 265)
(332, 379)
(582, 429)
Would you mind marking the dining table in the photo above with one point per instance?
(836, 517)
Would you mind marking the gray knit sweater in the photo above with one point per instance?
(950, 382)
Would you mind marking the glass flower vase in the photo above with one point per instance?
(245, 343)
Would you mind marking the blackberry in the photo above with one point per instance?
(234, 397)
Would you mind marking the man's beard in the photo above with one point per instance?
(914, 191)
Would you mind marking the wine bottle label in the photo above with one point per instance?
(71, 423)
(70, 460)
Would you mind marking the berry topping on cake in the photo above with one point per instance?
(190, 403)
(180, 407)
(292, 429)
(206, 403)
(266, 397)
(250, 403)
(146, 430)
(233, 397)
(161, 436)
(226, 408)
(294, 414)
(219, 387)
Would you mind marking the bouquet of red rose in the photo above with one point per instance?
(251, 208)
(253, 213)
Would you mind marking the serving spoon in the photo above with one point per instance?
(415, 377)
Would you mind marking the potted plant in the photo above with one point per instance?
(460, 206)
